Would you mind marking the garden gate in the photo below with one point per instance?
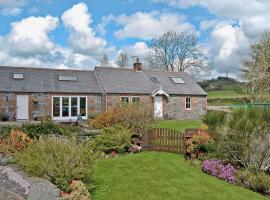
(163, 139)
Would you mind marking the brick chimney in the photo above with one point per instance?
(137, 65)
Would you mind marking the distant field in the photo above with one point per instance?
(224, 94)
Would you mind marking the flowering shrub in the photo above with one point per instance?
(18, 140)
(106, 119)
(197, 145)
(217, 169)
(79, 192)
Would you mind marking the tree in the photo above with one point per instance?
(122, 59)
(255, 70)
(104, 61)
(175, 51)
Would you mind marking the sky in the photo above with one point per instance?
(76, 34)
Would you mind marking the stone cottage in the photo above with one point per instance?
(63, 94)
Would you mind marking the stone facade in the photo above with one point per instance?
(8, 103)
(173, 107)
(40, 104)
(176, 107)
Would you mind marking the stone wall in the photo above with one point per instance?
(40, 104)
(176, 107)
(114, 100)
(8, 103)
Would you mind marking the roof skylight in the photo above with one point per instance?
(155, 79)
(177, 80)
(67, 78)
(18, 76)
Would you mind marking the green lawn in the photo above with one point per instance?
(160, 176)
(179, 125)
(224, 94)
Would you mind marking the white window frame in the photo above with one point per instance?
(135, 97)
(18, 76)
(189, 103)
(125, 97)
(70, 118)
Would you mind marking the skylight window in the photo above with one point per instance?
(67, 78)
(18, 76)
(154, 79)
(177, 80)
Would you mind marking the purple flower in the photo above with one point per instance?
(217, 169)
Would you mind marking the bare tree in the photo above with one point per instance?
(175, 51)
(122, 60)
(104, 61)
(255, 70)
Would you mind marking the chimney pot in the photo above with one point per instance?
(138, 65)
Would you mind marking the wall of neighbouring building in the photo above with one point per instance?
(40, 104)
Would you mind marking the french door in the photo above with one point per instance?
(69, 107)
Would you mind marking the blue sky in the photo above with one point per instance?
(69, 34)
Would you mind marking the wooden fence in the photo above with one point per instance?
(165, 140)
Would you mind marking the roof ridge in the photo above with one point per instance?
(46, 68)
(144, 70)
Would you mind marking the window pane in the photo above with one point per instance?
(188, 103)
(83, 106)
(65, 106)
(74, 106)
(124, 99)
(56, 106)
(135, 99)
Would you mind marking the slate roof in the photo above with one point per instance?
(47, 80)
(118, 80)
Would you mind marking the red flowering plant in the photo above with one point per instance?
(18, 140)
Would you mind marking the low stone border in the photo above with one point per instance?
(16, 182)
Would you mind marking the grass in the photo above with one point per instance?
(160, 176)
(225, 94)
(179, 125)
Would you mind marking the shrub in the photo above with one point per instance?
(217, 169)
(214, 119)
(48, 128)
(79, 192)
(116, 138)
(5, 130)
(18, 140)
(61, 161)
(106, 119)
(198, 145)
(138, 117)
(258, 181)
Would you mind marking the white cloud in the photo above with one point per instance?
(30, 35)
(82, 37)
(225, 47)
(29, 42)
(145, 26)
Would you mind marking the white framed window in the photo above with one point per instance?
(188, 103)
(69, 107)
(135, 99)
(124, 99)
